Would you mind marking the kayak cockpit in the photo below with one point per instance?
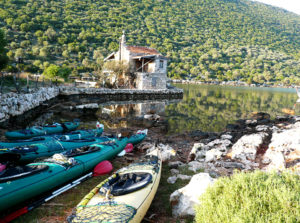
(126, 183)
(81, 151)
(24, 149)
(17, 172)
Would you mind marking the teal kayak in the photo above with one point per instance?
(78, 134)
(22, 183)
(25, 154)
(41, 130)
(138, 137)
(28, 153)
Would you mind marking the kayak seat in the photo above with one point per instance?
(20, 171)
(127, 183)
(25, 149)
(9, 157)
(81, 151)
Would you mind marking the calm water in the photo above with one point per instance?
(211, 108)
(203, 107)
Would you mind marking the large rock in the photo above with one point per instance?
(275, 159)
(184, 199)
(167, 152)
(213, 155)
(284, 149)
(193, 153)
(246, 147)
(195, 166)
(210, 151)
(175, 164)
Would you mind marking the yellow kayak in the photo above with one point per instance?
(123, 197)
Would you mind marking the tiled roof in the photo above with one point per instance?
(143, 50)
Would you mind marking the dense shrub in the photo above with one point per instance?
(252, 197)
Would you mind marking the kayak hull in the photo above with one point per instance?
(29, 153)
(79, 134)
(51, 145)
(41, 130)
(128, 206)
(21, 189)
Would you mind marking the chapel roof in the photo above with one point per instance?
(143, 50)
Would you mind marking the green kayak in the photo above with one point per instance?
(78, 134)
(28, 153)
(22, 183)
(138, 137)
(41, 130)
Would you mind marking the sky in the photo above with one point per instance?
(290, 5)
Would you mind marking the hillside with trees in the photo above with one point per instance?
(204, 39)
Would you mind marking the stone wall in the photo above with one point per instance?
(13, 104)
(151, 81)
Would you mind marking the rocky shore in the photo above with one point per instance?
(257, 143)
(231, 83)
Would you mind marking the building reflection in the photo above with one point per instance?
(123, 115)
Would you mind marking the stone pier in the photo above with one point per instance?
(16, 109)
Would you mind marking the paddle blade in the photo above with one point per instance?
(128, 148)
(102, 168)
(99, 126)
(122, 153)
(14, 215)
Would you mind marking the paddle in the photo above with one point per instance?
(102, 168)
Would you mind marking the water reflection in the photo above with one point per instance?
(211, 108)
(137, 109)
(206, 108)
(126, 114)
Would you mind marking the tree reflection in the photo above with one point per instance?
(211, 108)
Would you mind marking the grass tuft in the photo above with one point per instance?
(252, 197)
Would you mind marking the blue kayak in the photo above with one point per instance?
(41, 130)
(78, 134)
(24, 182)
(31, 152)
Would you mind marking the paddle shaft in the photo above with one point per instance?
(35, 204)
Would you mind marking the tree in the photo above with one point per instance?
(116, 71)
(54, 71)
(19, 53)
(64, 72)
(98, 57)
(65, 54)
(3, 56)
(51, 71)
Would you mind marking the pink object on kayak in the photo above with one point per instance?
(129, 148)
(2, 167)
(102, 168)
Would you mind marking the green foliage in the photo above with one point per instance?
(211, 39)
(252, 197)
(54, 71)
(3, 56)
(51, 72)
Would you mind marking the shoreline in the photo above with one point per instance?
(213, 155)
(230, 83)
